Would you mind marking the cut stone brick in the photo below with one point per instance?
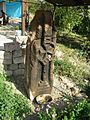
(21, 65)
(9, 73)
(6, 67)
(17, 53)
(18, 60)
(7, 55)
(11, 46)
(7, 62)
(13, 66)
(19, 72)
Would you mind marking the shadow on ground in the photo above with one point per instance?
(69, 42)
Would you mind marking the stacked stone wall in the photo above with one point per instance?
(14, 61)
(12, 57)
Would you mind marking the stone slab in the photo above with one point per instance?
(18, 60)
(11, 46)
(17, 53)
(19, 72)
(7, 62)
(13, 67)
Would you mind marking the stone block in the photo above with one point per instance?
(17, 53)
(18, 60)
(11, 46)
(6, 67)
(8, 73)
(19, 72)
(13, 67)
(21, 65)
(7, 55)
(7, 62)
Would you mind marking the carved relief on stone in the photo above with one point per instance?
(39, 54)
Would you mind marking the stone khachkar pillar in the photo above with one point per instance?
(39, 54)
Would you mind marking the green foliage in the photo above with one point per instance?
(87, 90)
(63, 67)
(51, 115)
(73, 64)
(17, 27)
(32, 9)
(12, 106)
(66, 68)
(75, 19)
(39, 5)
(78, 111)
(84, 26)
(67, 17)
(86, 46)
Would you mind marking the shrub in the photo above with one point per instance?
(12, 106)
(78, 111)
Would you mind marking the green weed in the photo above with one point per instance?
(12, 106)
(78, 111)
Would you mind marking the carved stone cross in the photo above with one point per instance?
(39, 54)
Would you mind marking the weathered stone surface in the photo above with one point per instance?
(19, 72)
(17, 53)
(40, 53)
(18, 60)
(13, 66)
(11, 46)
(7, 62)
(48, 30)
(21, 65)
(7, 55)
(9, 73)
(6, 67)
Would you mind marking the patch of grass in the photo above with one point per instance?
(66, 68)
(73, 64)
(12, 106)
(78, 111)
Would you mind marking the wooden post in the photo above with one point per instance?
(23, 17)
